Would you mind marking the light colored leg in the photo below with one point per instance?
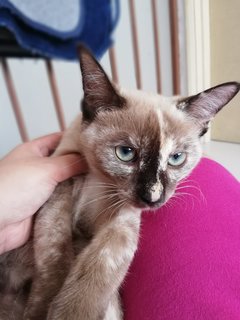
(98, 271)
(114, 310)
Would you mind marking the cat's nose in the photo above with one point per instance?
(147, 198)
(151, 195)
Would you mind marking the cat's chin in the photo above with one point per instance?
(152, 206)
(147, 207)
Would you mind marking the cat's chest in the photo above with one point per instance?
(96, 206)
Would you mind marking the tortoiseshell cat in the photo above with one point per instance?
(138, 147)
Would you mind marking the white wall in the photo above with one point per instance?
(33, 88)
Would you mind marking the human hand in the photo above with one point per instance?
(28, 176)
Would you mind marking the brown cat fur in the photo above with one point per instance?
(86, 235)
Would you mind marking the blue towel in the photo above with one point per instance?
(53, 28)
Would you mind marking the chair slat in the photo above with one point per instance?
(14, 100)
(156, 45)
(135, 44)
(55, 94)
(175, 46)
(113, 63)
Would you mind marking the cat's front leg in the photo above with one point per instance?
(114, 309)
(98, 271)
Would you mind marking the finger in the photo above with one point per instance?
(41, 147)
(47, 144)
(15, 235)
(68, 166)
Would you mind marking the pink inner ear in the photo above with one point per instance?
(206, 104)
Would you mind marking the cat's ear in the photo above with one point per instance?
(99, 93)
(203, 106)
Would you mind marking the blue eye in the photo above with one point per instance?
(125, 154)
(177, 159)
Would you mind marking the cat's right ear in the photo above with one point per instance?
(99, 93)
(202, 107)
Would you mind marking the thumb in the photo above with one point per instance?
(67, 166)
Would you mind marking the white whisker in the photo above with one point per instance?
(106, 196)
(182, 187)
(119, 205)
(112, 205)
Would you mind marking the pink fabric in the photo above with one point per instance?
(187, 266)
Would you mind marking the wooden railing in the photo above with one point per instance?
(173, 17)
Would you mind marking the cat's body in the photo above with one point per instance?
(138, 147)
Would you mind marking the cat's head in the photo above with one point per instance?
(143, 144)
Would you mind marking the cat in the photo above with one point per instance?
(138, 147)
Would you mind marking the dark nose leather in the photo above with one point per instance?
(146, 198)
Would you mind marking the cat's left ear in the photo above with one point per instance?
(100, 93)
(203, 106)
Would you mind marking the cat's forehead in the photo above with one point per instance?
(145, 101)
(156, 112)
(146, 117)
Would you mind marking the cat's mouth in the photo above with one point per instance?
(146, 205)
(145, 202)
